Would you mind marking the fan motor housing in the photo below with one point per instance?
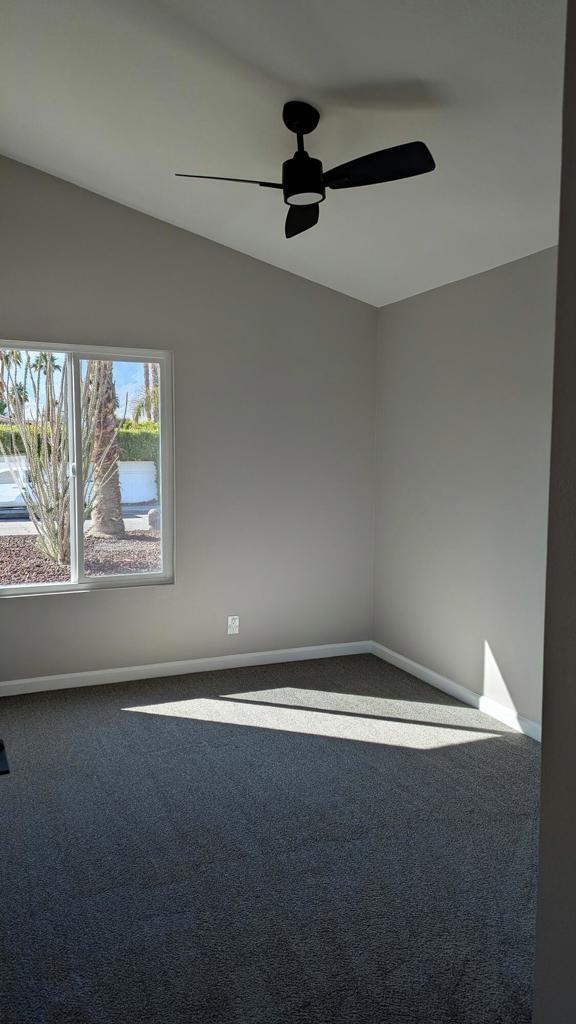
(302, 180)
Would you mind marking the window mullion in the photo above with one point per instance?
(77, 482)
(166, 480)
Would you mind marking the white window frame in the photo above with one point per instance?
(79, 582)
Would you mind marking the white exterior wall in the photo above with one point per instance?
(137, 482)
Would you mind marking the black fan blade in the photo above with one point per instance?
(300, 218)
(245, 181)
(386, 165)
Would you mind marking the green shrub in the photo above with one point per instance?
(6, 433)
(138, 442)
(139, 445)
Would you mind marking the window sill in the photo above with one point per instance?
(125, 582)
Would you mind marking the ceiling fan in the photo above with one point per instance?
(304, 182)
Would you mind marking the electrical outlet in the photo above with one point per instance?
(233, 625)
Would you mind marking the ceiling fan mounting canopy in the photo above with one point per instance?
(304, 181)
(300, 117)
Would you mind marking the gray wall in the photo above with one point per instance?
(463, 423)
(273, 393)
(556, 925)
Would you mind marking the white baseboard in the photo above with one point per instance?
(490, 707)
(179, 668)
(511, 717)
(426, 675)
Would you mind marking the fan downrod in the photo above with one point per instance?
(300, 117)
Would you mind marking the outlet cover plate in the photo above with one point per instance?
(233, 625)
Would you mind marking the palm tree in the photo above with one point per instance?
(9, 359)
(155, 391)
(106, 499)
(46, 365)
(147, 402)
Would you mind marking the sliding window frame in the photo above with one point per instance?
(79, 582)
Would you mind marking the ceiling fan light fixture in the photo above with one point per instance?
(302, 180)
(304, 198)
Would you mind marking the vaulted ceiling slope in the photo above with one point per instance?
(116, 95)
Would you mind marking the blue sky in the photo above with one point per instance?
(128, 380)
(129, 384)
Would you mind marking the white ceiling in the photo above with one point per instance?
(116, 95)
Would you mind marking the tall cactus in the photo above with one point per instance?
(34, 388)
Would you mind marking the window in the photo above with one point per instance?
(85, 468)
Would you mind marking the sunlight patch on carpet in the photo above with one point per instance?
(399, 733)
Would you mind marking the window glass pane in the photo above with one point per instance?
(120, 405)
(34, 478)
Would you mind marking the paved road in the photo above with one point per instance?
(23, 527)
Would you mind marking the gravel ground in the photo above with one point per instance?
(22, 562)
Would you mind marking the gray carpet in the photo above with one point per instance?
(328, 841)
